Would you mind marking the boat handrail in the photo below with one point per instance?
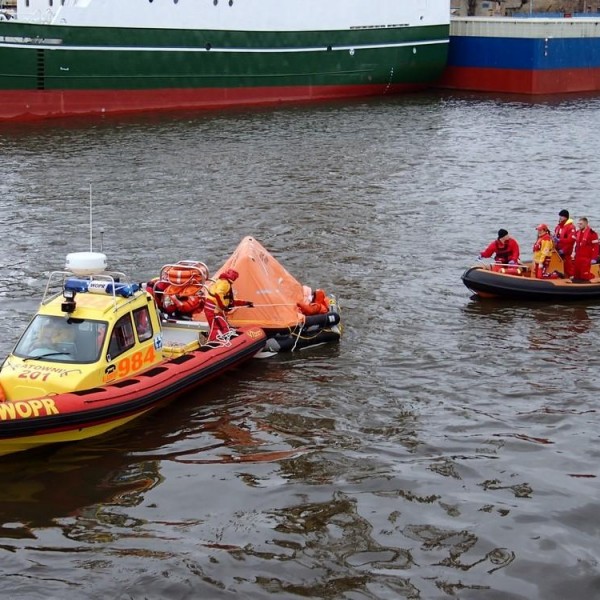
(59, 279)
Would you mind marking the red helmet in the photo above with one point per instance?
(229, 274)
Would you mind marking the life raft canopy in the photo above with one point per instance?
(84, 264)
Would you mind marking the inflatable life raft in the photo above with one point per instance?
(279, 301)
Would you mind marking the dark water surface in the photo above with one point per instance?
(447, 448)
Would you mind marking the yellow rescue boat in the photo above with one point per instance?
(96, 355)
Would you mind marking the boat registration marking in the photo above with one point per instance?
(24, 409)
(134, 362)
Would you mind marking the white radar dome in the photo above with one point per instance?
(86, 263)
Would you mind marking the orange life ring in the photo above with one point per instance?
(180, 275)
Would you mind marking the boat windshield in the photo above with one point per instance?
(61, 339)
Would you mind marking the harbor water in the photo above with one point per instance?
(446, 448)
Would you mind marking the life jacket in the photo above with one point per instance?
(318, 306)
(502, 252)
(542, 249)
(565, 235)
(224, 290)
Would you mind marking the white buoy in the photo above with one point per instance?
(86, 263)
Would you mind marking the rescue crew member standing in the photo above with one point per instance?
(219, 299)
(542, 251)
(586, 250)
(505, 248)
(564, 240)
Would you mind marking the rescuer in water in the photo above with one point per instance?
(219, 300)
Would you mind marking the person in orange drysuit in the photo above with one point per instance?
(319, 304)
(564, 238)
(542, 251)
(586, 250)
(219, 300)
(505, 249)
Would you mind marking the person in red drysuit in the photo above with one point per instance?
(219, 299)
(505, 249)
(564, 238)
(586, 250)
(319, 304)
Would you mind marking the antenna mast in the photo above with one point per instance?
(91, 220)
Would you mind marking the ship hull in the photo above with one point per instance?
(523, 56)
(53, 70)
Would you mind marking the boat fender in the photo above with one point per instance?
(321, 320)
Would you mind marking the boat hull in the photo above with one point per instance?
(55, 71)
(523, 56)
(488, 284)
(82, 414)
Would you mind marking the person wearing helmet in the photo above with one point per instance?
(586, 250)
(220, 300)
(542, 251)
(504, 249)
